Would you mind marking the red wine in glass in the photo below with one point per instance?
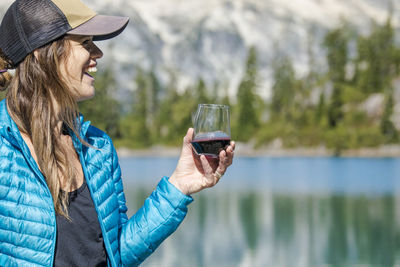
(210, 144)
(212, 132)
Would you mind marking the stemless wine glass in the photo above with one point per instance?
(212, 131)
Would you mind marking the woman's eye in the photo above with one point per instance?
(87, 42)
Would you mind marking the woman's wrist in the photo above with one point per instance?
(175, 182)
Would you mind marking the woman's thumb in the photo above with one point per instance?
(187, 140)
(189, 136)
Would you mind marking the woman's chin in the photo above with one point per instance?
(89, 94)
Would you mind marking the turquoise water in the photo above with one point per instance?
(282, 212)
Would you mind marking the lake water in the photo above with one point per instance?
(282, 211)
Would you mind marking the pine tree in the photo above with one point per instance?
(247, 100)
(335, 111)
(201, 92)
(136, 132)
(376, 63)
(320, 111)
(337, 54)
(396, 60)
(175, 115)
(388, 129)
(155, 91)
(283, 88)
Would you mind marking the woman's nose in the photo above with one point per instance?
(95, 52)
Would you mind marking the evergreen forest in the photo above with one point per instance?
(322, 108)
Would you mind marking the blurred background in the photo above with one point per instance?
(314, 91)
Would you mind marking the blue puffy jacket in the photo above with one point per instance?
(27, 216)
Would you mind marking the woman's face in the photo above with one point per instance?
(81, 61)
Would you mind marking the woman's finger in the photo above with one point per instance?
(223, 163)
(208, 172)
(233, 145)
(223, 158)
(187, 140)
(230, 153)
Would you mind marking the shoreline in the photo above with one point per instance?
(248, 150)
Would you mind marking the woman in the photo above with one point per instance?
(61, 194)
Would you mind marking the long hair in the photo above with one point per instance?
(39, 100)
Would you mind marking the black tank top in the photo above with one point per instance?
(80, 241)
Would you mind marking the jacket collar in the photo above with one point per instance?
(84, 126)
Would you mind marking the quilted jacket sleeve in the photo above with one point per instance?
(159, 217)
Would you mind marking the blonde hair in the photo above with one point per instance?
(38, 99)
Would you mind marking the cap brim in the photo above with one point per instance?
(101, 27)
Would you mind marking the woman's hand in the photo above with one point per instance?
(194, 173)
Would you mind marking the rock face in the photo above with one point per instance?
(373, 106)
(210, 38)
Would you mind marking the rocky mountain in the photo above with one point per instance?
(210, 38)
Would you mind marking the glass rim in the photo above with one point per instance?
(214, 105)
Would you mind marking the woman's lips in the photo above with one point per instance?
(89, 75)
